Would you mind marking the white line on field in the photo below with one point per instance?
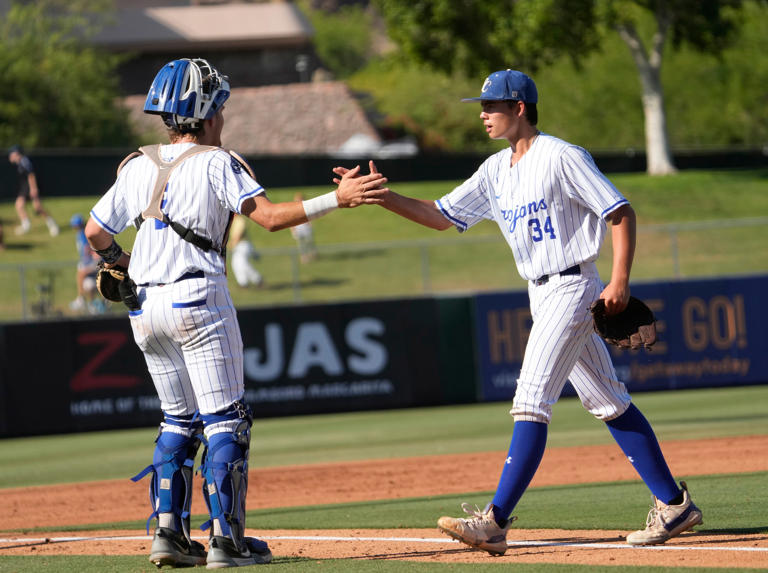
(585, 545)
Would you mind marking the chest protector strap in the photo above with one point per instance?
(164, 170)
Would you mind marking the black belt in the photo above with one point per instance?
(185, 276)
(574, 270)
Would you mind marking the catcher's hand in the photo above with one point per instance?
(633, 327)
(114, 284)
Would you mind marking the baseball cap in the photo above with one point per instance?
(76, 220)
(13, 148)
(507, 85)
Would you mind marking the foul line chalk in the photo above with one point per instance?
(585, 545)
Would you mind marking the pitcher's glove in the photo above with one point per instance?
(634, 327)
(114, 284)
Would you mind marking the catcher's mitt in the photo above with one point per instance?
(114, 284)
(634, 327)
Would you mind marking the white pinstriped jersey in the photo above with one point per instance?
(201, 193)
(550, 206)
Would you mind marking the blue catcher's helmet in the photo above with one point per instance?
(187, 91)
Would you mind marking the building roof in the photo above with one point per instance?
(307, 118)
(236, 25)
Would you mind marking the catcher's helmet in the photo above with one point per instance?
(186, 91)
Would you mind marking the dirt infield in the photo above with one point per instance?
(122, 500)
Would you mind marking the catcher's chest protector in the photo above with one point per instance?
(165, 168)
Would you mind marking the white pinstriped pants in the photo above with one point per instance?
(190, 337)
(563, 346)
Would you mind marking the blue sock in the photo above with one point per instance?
(636, 439)
(525, 452)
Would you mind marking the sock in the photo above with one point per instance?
(525, 452)
(636, 439)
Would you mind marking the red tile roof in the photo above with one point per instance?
(304, 118)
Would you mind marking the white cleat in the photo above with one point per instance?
(667, 521)
(479, 531)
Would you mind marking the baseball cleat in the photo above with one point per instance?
(479, 531)
(667, 521)
(223, 553)
(170, 547)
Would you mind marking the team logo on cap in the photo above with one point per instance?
(486, 85)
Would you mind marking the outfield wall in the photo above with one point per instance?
(81, 375)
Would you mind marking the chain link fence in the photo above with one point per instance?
(445, 264)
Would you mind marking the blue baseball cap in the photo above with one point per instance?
(507, 85)
(77, 220)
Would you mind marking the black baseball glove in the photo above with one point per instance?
(634, 327)
(114, 284)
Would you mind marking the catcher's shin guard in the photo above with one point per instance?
(225, 471)
(170, 490)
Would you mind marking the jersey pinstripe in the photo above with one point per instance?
(192, 344)
(187, 329)
(550, 206)
(202, 203)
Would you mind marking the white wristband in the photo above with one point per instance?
(319, 206)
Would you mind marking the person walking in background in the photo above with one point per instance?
(28, 189)
(181, 311)
(87, 267)
(552, 205)
(304, 235)
(243, 254)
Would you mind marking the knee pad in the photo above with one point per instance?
(170, 489)
(225, 468)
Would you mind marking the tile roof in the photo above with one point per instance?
(304, 118)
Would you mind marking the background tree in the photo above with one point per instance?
(58, 91)
(464, 37)
(342, 36)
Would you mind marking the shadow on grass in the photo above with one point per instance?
(361, 254)
(19, 246)
(316, 282)
(734, 531)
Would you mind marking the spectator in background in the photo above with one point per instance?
(243, 253)
(87, 267)
(305, 237)
(28, 189)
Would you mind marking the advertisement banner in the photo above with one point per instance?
(710, 334)
(297, 360)
(91, 376)
(341, 357)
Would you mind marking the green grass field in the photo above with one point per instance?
(732, 502)
(369, 253)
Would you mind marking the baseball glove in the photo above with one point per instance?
(634, 327)
(114, 284)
